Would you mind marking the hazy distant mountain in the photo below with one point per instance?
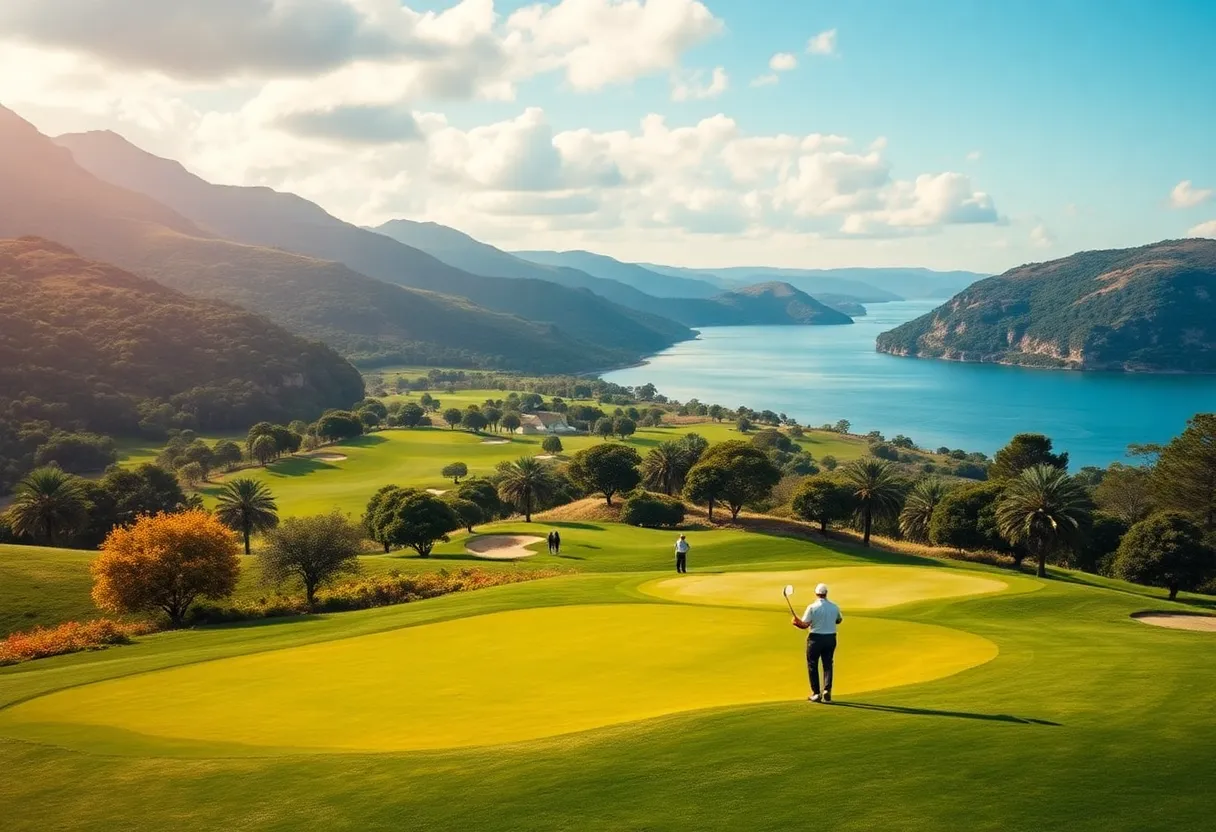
(1151, 308)
(46, 193)
(766, 304)
(842, 303)
(264, 217)
(866, 285)
(462, 251)
(631, 274)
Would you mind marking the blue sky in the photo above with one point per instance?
(972, 134)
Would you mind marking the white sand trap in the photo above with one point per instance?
(496, 441)
(438, 492)
(1178, 620)
(502, 546)
(328, 457)
(546, 456)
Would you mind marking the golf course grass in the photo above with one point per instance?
(857, 588)
(499, 678)
(620, 696)
(312, 483)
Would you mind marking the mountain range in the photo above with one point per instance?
(1151, 308)
(404, 292)
(267, 218)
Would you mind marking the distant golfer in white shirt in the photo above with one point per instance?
(682, 554)
(821, 619)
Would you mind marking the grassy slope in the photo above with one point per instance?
(1085, 720)
(41, 586)
(303, 485)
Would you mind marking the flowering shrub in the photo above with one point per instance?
(365, 593)
(69, 637)
(379, 591)
(384, 590)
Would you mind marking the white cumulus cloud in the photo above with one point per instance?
(823, 43)
(1186, 195)
(782, 62)
(693, 86)
(1204, 229)
(1041, 236)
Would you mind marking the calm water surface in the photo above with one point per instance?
(821, 374)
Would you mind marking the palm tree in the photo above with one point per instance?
(918, 508)
(665, 466)
(524, 483)
(247, 506)
(47, 501)
(876, 491)
(1043, 508)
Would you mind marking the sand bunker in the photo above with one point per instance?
(502, 546)
(328, 457)
(1178, 620)
(496, 441)
(546, 456)
(438, 492)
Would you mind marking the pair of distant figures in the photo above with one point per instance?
(555, 542)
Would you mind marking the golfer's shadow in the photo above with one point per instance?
(899, 709)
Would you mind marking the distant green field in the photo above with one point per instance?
(321, 482)
(132, 452)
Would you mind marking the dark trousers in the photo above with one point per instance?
(820, 648)
(681, 562)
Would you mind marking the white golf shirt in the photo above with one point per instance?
(682, 546)
(823, 616)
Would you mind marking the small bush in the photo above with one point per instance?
(643, 508)
(69, 637)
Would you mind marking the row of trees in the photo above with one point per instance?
(1150, 523)
(166, 562)
(54, 507)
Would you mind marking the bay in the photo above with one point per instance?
(822, 374)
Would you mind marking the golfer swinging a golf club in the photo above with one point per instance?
(821, 619)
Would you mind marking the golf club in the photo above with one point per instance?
(786, 593)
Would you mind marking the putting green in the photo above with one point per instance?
(486, 680)
(852, 587)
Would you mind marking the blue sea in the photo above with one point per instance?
(822, 374)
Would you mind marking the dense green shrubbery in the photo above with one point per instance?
(650, 510)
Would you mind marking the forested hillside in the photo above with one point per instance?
(1151, 308)
(85, 345)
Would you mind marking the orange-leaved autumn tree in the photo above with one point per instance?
(165, 562)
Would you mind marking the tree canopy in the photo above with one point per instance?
(606, 469)
(1166, 550)
(312, 550)
(165, 562)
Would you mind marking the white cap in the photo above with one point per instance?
(822, 589)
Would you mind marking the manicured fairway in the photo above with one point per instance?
(495, 679)
(586, 702)
(854, 588)
(310, 484)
